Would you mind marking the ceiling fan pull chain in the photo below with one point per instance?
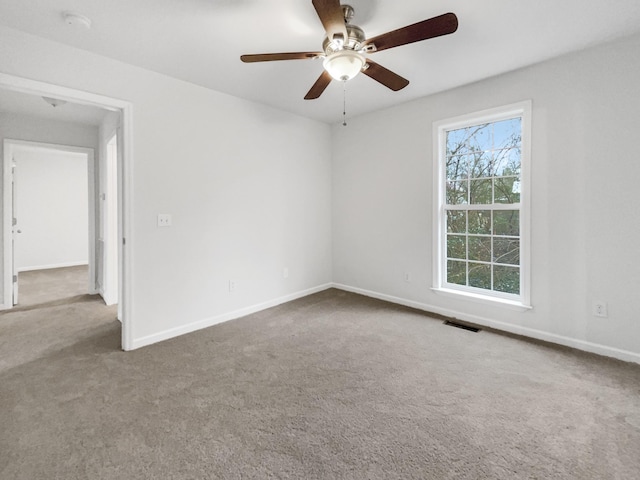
(344, 103)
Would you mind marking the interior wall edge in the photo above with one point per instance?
(576, 343)
(225, 317)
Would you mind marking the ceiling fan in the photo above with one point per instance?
(345, 46)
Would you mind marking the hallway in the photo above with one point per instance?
(54, 311)
(39, 287)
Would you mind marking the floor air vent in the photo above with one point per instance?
(461, 325)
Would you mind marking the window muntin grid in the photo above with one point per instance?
(482, 207)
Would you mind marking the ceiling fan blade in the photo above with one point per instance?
(433, 27)
(385, 76)
(321, 84)
(270, 57)
(330, 13)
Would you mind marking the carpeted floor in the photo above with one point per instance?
(331, 386)
(37, 287)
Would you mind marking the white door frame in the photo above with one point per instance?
(10, 147)
(125, 183)
(109, 217)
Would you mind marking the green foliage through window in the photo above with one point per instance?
(482, 205)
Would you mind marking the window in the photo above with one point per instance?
(481, 221)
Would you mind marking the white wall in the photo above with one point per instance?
(585, 220)
(51, 208)
(21, 127)
(249, 188)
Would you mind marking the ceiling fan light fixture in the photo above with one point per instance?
(77, 20)
(344, 64)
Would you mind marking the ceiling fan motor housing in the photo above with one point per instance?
(354, 41)
(355, 35)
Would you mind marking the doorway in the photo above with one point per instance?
(123, 111)
(53, 221)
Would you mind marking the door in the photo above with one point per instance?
(119, 212)
(15, 232)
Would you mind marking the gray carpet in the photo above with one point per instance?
(332, 386)
(37, 287)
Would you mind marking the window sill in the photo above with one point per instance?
(500, 302)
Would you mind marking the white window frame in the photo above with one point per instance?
(517, 110)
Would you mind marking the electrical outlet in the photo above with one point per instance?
(407, 277)
(285, 272)
(600, 309)
(164, 219)
(232, 286)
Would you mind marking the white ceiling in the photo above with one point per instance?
(201, 41)
(34, 106)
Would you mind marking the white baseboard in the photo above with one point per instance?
(225, 317)
(583, 345)
(55, 265)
